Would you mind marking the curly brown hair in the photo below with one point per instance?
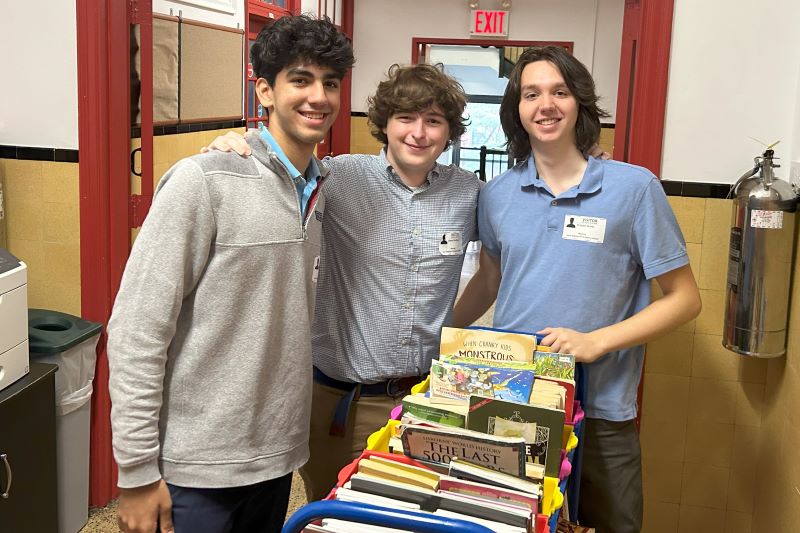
(414, 88)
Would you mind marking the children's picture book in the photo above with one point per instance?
(488, 346)
(452, 378)
(544, 449)
(440, 445)
(553, 364)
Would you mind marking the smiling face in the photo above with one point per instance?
(414, 141)
(302, 105)
(547, 109)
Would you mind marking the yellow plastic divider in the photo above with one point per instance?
(552, 498)
(379, 441)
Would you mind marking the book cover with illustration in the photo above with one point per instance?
(440, 445)
(554, 365)
(488, 346)
(544, 448)
(453, 378)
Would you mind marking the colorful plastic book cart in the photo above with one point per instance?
(378, 444)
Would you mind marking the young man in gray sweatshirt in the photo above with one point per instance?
(209, 341)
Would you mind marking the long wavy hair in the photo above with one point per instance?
(581, 85)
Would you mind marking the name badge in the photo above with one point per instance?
(315, 273)
(580, 228)
(450, 243)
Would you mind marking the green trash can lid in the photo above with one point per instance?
(52, 332)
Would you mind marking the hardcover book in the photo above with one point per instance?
(439, 445)
(488, 346)
(451, 378)
(545, 447)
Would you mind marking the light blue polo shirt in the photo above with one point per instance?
(581, 260)
(306, 184)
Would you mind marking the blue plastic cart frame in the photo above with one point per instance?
(378, 516)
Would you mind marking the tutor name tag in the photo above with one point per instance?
(587, 229)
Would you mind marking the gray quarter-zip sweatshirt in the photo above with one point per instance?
(209, 342)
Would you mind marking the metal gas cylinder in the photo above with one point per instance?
(760, 262)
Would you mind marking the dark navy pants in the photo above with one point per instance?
(259, 508)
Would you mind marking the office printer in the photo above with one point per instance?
(14, 363)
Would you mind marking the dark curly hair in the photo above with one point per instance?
(298, 38)
(581, 85)
(414, 88)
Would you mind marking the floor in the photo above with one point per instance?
(104, 520)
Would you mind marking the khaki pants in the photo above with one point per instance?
(329, 453)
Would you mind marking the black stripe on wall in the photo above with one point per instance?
(33, 153)
(136, 131)
(693, 189)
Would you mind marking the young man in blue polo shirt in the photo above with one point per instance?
(209, 342)
(570, 244)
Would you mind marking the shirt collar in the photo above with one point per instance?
(433, 175)
(267, 136)
(591, 182)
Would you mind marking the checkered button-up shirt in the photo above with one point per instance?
(390, 267)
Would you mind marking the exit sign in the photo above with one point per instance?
(487, 23)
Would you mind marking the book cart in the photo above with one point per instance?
(546, 521)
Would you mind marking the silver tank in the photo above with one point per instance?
(760, 262)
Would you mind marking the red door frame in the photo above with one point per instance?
(643, 77)
(104, 142)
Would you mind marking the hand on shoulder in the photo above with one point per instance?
(230, 142)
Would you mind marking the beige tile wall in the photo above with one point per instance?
(716, 426)
(361, 140)
(42, 211)
(43, 225)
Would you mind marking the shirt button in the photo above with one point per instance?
(553, 203)
(416, 231)
(403, 342)
(414, 268)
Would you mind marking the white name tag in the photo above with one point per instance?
(450, 243)
(580, 228)
(315, 273)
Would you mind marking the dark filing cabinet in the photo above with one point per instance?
(28, 487)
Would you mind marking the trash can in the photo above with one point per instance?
(69, 342)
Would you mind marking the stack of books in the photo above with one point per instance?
(498, 384)
(480, 442)
(501, 502)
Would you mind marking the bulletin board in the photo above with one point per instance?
(165, 70)
(211, 72)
